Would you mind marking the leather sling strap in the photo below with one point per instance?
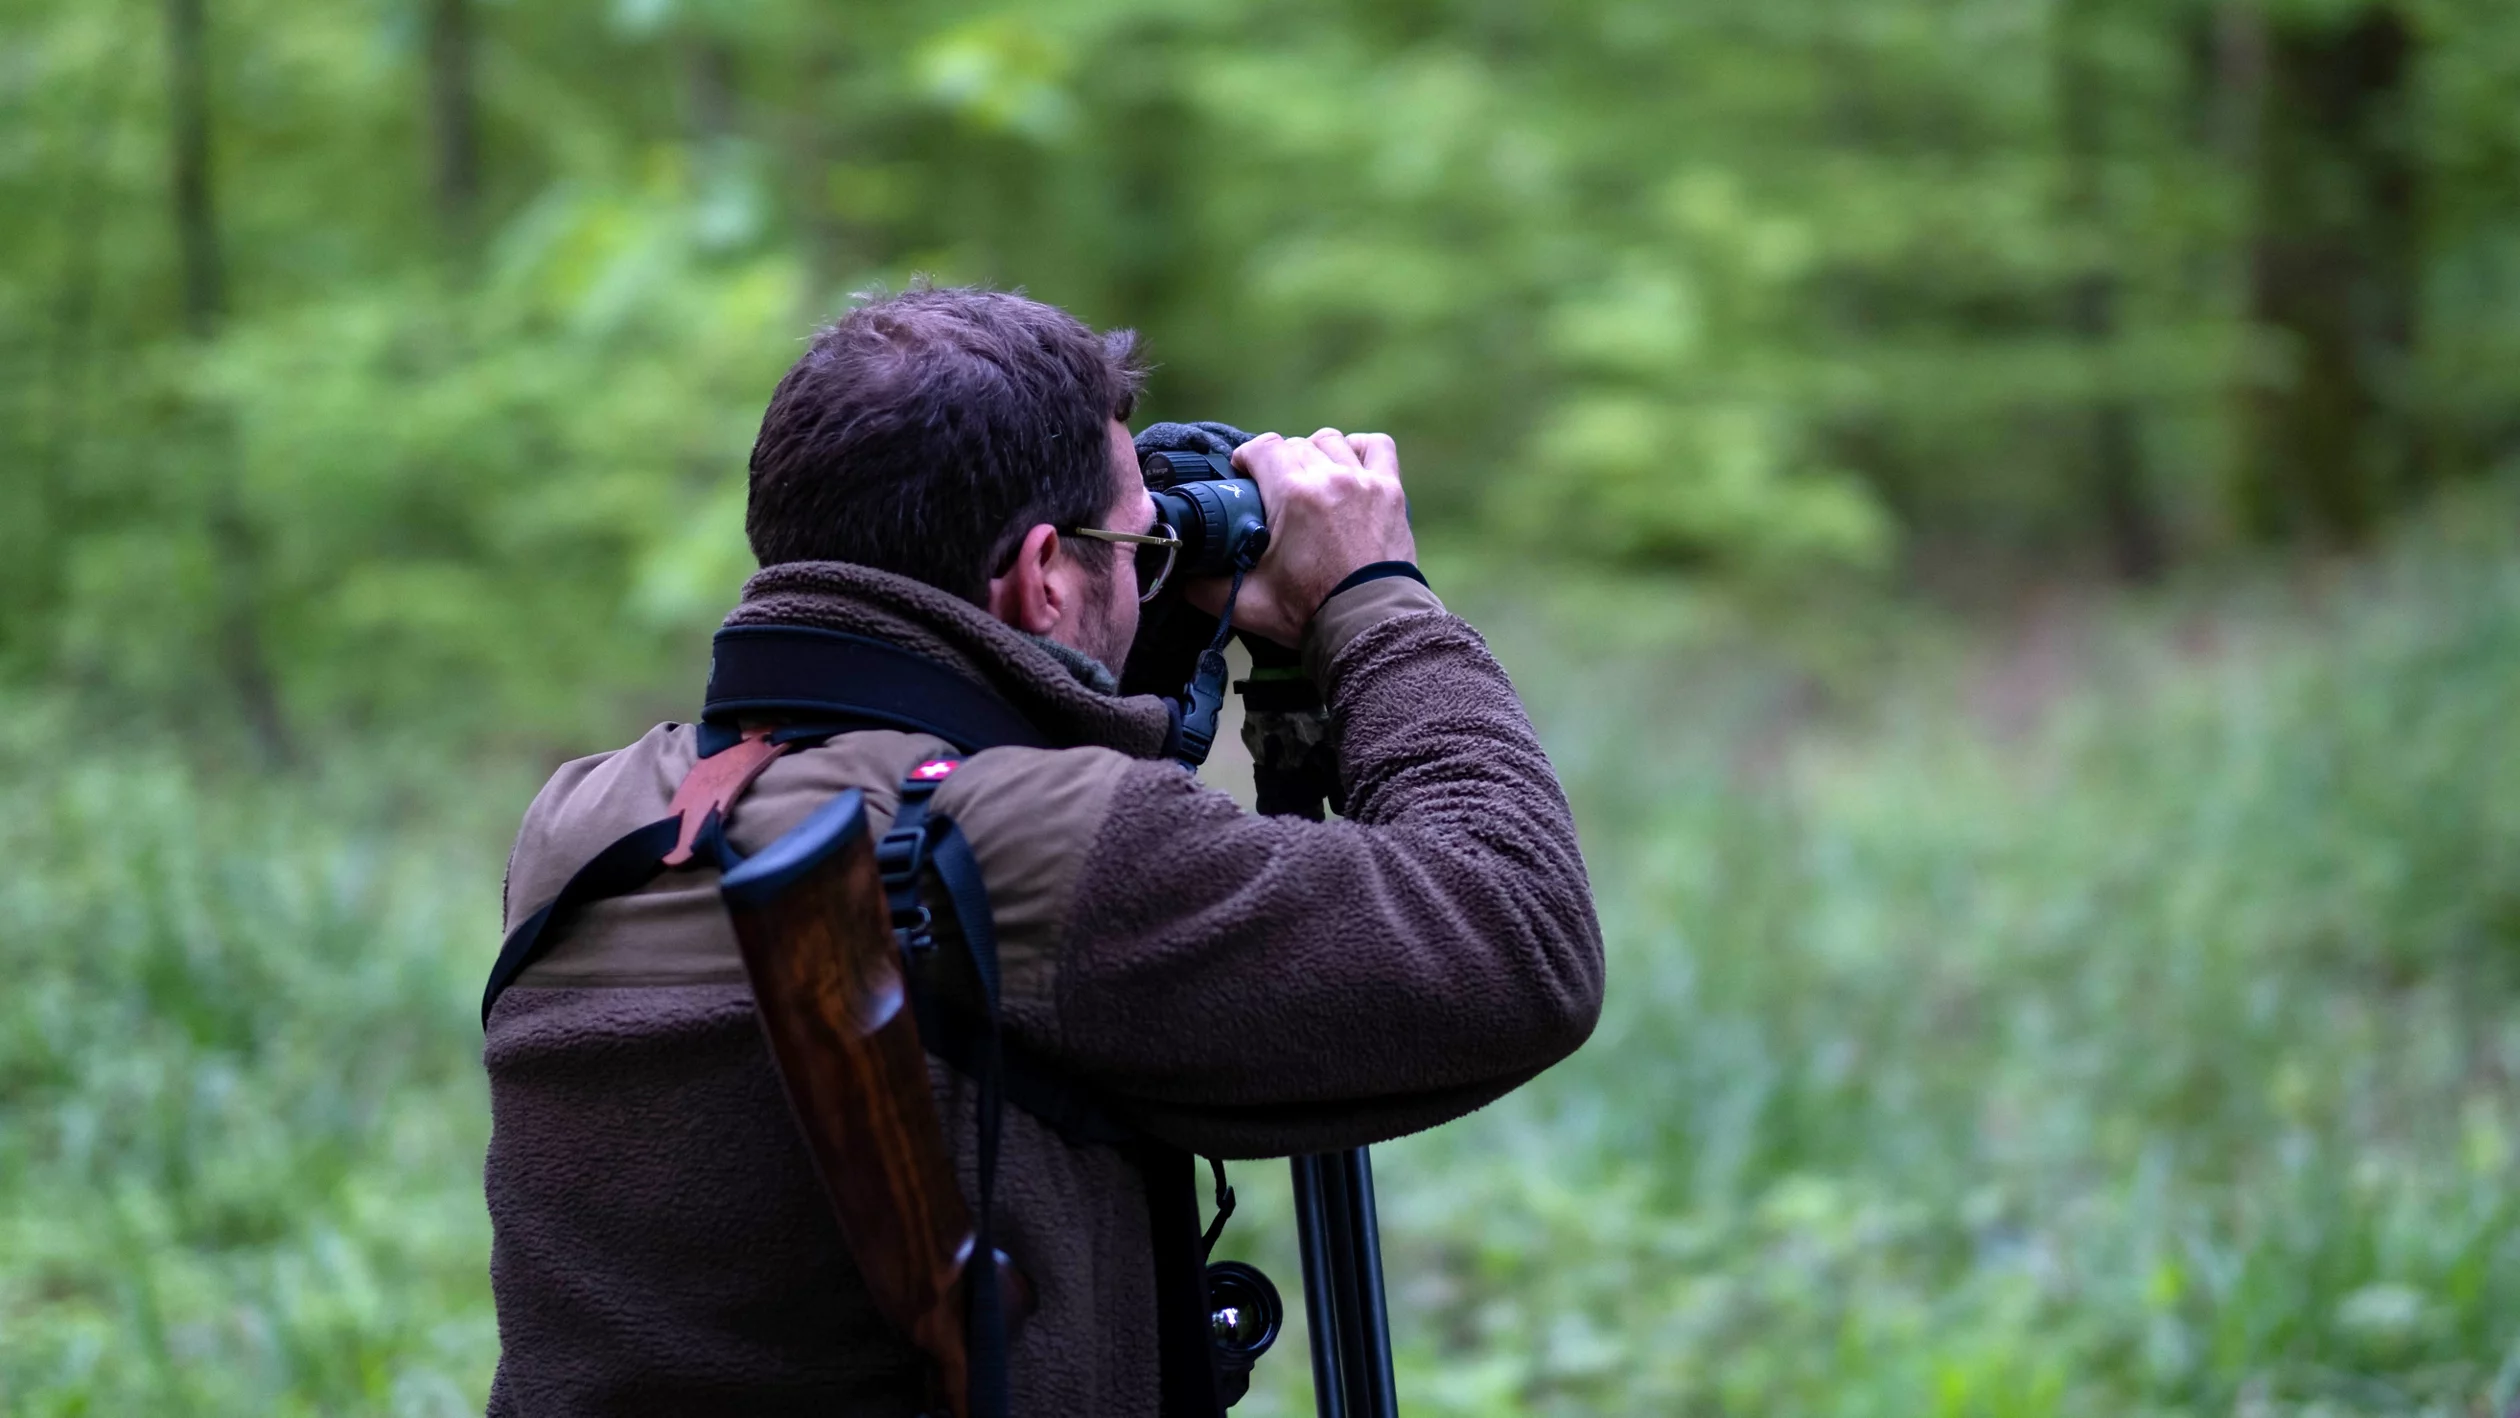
(708, 792)
(862, 684)
(695, 824)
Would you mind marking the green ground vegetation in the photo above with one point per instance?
(2154, 1055)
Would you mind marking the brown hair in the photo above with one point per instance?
(923, 432)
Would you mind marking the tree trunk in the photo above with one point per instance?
(812, 138)
(70, 373)
(453, 127)
(709, 83)
(243, 659)
(188, 138)
(243, 656)
(2331, 280)
(2112, 453)
(2113, 459)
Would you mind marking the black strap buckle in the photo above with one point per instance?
(915, 930)
(899, 859)
(903, 854)
(900, 855)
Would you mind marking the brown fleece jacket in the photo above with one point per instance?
(1235, 985)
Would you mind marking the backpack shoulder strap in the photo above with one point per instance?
(923, 841)
(921, 846)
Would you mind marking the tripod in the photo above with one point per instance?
(1343, 1286)
(1295, 773)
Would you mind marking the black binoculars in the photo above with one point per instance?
(1244, 1316)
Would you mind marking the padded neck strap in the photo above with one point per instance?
(801, 672)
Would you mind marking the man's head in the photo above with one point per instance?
(957, 436)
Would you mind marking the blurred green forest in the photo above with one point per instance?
(2003, 508)
(350, 352)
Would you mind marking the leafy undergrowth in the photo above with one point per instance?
(2161, 1060)
(2156, 1058)
(241, 1110)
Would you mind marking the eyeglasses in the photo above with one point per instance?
(1155, 553)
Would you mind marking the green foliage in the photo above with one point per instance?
(241, 1111)
(2156, 1061)
(1765, 288)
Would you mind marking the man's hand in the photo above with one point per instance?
(1334, 505)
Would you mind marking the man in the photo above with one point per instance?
(942, 471)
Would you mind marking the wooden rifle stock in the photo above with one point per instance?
(827, 978)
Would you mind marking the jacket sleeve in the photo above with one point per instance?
(1261, 986)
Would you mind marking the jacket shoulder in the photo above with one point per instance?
(673, 931)
(586, 803)
(1033, 816)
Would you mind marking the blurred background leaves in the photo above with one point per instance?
(2003, 509)
(437, 324)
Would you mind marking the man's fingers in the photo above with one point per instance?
(1334, 501)
(1281, 460)
(1246, 459)
(1376, 451)
(1334, 445)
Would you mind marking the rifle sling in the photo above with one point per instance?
(1077, 1115)
(819, 683)
(634, 859)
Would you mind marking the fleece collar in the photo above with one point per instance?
(1089, 672)
(1046, 682)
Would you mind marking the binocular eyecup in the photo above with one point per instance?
(1244, 1316)
(1218, 516)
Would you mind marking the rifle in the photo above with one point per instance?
(827, 976)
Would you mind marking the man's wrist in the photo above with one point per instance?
(1357, 605)
(1374, 571)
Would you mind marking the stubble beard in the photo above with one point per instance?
(1110, 631)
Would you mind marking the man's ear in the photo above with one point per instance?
(1028, 597)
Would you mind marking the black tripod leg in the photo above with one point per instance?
(1294, 773)
(1338, 1218)
(1343, 1286)
(1316, 1237)
(1374, 1393)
